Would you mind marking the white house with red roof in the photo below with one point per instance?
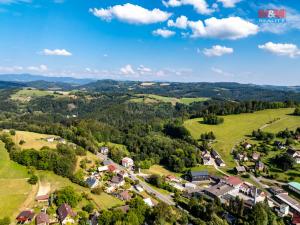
(127, 162)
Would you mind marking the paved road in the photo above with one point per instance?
(164, 198)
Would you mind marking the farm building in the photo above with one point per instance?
(199, 176)
(295, 186)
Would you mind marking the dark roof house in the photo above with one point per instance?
(199, 176)
(25, 216)
(65, 211)
(42, 219)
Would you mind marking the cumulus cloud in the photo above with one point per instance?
(163, 33)
(229, 3)
(56, 52)
(200, 6)
(40, 68)
(217, 50)
(226, 28)
(281, 49)
(144, 70)
(181, 22)
(130, 13)
(127, 70)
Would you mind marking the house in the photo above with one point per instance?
(220, 162)
(138, 188)
(66, 214)
(214, 154)
(148, 202)
(104, 150)
(127, 162)
(233, 181)
(295, 154)
(242, 157)
(42, 198)
(102, 168)
(49, 139)
(42, 219)
(190, 186)
(92, 182)
(172, 178)
(296, 219)
(125, 196)
(259, 165)
(283, 210)
(294, 186)
(112, 168)
(219, 190)
(197, 176)
(246, 145)
(25, 216)
(291, 202)
(177, 186)
(117, 181)
(255, 156)
(123, 174)
(240, 169)
(279, 145)
(60, 140)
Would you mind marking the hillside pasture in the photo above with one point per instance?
(150, 98)
(33, 140)
(14, 188)
(236, 128)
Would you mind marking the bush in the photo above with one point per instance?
(5, 221)
(97, 191)
(33, 179)
(12, 132)
(212, 119)
(22, 142)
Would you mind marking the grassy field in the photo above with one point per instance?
(33, 140)
(27, 94)
(236, 128)
(160, 170)
(14, 188)
(150, 98)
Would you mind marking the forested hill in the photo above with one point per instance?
(228, 91)
(7, 85)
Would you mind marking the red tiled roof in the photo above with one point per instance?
(232, 180)
(42, 198)
(296, 219)
(112, 167)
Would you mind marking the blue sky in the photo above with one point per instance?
(171, 40)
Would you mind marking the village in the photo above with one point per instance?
(123, 181)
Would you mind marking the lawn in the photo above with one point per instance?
(236, 128)
(160, 170)
(150, 98)
(33, 140)
(14, 188)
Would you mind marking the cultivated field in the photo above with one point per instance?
(149, 98)
(14, 188)
(33, 140)
(236, 127)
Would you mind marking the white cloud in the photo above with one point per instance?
(56, 52)
(217, 50)
(10, 69)
(181, 22)
(281, 49)
(221, 72)
(227, 28)
(200, 6)
(144, 70)
(163, 33)
(127, 70)
(40, 68)
(131, 14)
(229, 3)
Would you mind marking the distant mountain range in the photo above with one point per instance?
(30, 78)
